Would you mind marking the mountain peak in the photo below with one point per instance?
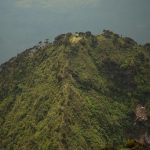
(79, 92)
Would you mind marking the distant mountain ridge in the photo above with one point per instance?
(81, 92)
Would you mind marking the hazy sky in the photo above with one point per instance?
(23, 23)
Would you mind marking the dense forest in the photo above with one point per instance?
(80, 92)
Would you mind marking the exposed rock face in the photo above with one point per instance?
(141, 125)
(140, 113)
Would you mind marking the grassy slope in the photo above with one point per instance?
(73, 95)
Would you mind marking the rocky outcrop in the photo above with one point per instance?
(140, 113)
(141, 128)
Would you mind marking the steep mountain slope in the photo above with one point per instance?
(79, 92)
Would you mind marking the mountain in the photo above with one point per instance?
(81, 92)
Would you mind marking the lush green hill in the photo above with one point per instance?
(77, 93)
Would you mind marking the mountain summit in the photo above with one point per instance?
(81, 92)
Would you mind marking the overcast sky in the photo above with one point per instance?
(23, 23)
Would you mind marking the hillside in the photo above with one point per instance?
(81, 92)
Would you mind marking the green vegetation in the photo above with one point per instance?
(78, 93)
